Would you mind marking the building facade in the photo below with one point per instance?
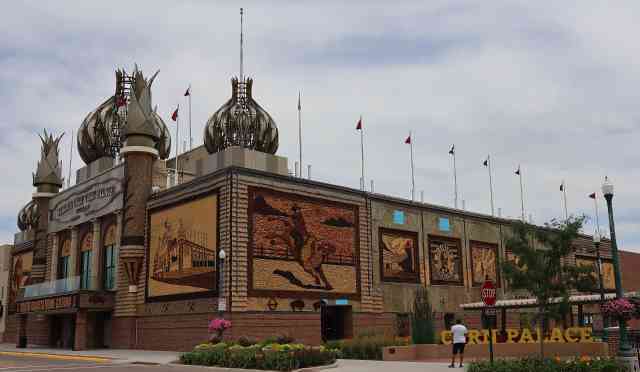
(142, 252)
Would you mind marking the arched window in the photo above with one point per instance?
(86, 249)
(110, 258)
(63, 258)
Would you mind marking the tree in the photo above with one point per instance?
(539, 269)
(422, 328)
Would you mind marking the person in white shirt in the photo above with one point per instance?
(459, 333)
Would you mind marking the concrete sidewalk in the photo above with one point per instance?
(112, 355)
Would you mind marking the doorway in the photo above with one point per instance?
(336, 322)
(62, 331)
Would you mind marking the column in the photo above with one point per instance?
(55, 254)
(96, 256)
(73, 257)
(80, 339)
(119, 220)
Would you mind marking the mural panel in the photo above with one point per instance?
(302, 245)
(399, 255)
(445, 260)
(20, 274)
(183, 243)
(484, 262)
(608, 276)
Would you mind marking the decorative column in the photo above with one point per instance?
(48, 180)
(55, 254)
(142, 134)
(73, 257)
(80, 341)
(96, 256)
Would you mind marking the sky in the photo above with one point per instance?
(550, 86)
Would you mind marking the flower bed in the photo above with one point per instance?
(620, 308)
(265, 355)
(548, 365)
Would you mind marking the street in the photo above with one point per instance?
(24, 363)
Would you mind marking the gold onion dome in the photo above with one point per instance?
(241, 121)
(28, 216)
(95, 136)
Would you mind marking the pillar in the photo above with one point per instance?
(55, 254)
(80, 339)
(73, 258)
(96, 256)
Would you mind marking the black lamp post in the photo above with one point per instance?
(222, 301)
(605, 320)
(624, 348)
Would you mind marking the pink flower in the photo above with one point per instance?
(219, 325)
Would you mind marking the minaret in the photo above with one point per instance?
(141, 136)
(48, 180)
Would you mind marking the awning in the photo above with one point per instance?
(531, 302)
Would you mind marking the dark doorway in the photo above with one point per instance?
(336, 322)
(62, 331)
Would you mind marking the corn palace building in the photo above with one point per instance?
(144, 250)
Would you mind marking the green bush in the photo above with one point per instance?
(367, 347)
(548, 365)
(273, 356)
(422, 328)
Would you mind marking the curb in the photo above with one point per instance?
(87, 358)
(308, 369)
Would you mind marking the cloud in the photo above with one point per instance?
(550, 86)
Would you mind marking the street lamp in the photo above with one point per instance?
(624, 348)
(222, 301)
(605, 320)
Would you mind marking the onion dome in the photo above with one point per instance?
(241, 121)
(28, 216)
(95, 136)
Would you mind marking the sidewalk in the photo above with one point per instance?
(112, 355)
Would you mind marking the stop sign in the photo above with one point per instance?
(488, 293)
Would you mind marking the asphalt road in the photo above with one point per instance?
(41, 364)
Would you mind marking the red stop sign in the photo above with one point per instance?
(488, 293)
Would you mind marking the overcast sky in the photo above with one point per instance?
(553, 86)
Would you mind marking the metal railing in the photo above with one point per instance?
(50, 288)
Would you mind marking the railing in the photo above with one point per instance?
(50, 288)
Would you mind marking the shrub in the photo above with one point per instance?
(422, 328)
(284, 339)
(548, 365)
(274, 356)
(368, 348)
(247, 341)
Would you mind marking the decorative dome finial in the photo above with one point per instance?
(48, 175)
(241, 121)
(100, 134)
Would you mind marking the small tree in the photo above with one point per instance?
(542, 272)
(422, 329)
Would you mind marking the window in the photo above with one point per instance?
(85, 261)
(403, 325)
(110, 258)
(63, 259)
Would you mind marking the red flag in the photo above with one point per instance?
(359, 125)
(592, 196)
(188, 92)
(174, 116)
(408, 140)
(120, 101)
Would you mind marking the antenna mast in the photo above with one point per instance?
(241, 46)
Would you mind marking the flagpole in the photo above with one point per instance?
(564, 199)
(521, 192)
(362, 181)
(413, 178)
(490, 183)
(177, 143)
(595, 202)
(300, 133)
(455, 181)
(70, 160)
(190, 138)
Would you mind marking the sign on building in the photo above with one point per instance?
(96, 197)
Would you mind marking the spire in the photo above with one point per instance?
(241, 47)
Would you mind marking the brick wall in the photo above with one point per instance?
(629, 263)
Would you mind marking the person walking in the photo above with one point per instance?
(459, 332)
